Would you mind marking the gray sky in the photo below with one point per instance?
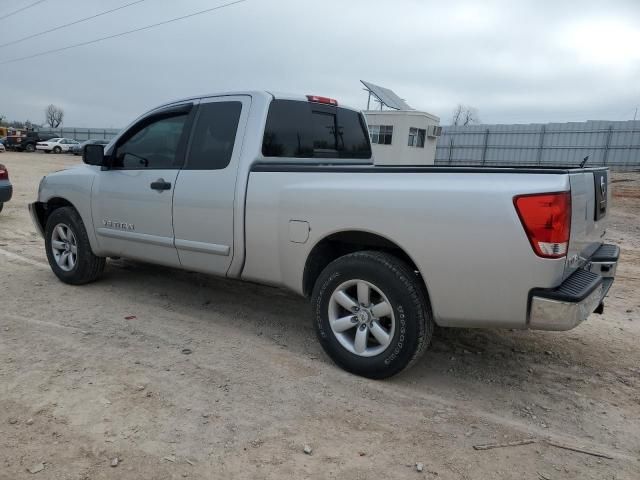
(515, 61)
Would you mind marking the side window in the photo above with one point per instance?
(416, 137)
(381, 134)
(214, 135)
(154, 146)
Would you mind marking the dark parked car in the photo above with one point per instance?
(79, 148)
(26, 143)
(6, 190)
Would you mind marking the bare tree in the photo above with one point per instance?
(456, 116)
(464, 115)
(53, 116)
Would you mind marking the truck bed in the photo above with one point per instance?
(458, 224)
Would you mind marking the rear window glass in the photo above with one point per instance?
(311, 130)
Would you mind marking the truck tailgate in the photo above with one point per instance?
(590, 199)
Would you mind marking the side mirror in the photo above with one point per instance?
(94, 155)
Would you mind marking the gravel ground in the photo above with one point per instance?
(180, 375)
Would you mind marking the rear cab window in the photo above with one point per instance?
(298, 129)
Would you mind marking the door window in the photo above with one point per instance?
(153, 146)
(214, 135)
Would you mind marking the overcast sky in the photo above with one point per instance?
(515, 61)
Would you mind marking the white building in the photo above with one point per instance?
(403, 137)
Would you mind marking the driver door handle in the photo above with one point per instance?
(160, 184)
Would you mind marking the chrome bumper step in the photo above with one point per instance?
(582, 293)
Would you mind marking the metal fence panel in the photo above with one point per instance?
(82, 134)
(616, 144)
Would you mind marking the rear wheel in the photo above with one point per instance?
(1, 206)
(68, 248)
(371, 314)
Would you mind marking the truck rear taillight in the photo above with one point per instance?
(327, 100)
(546, 218)
(4, 173)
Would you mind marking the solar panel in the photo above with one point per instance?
(386, 97)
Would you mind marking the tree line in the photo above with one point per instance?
(53, 117)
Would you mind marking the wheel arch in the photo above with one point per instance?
(44, 209)
(337, 244)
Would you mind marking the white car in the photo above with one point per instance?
(56, 145)
(2, 148)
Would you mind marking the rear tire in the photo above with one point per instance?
(394, 322)
(1, 206)
(68, 248)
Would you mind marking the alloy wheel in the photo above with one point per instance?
(361, 318)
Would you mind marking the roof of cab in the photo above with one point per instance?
(253, 93)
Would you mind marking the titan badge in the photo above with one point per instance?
(118, 225)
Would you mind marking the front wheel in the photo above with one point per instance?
(30, 148)
(57, 150)
(68, 248)
(371, 314)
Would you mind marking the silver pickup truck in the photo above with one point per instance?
(282, 190)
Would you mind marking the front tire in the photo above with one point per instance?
(371, 314)
(68, 248)
(57, 150)
(30, 148)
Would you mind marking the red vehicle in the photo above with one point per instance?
(6, 190)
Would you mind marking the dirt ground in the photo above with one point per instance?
(89, 374)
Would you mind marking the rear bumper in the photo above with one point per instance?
(6, 192)
(569, 304)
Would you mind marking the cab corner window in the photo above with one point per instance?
(154, 146)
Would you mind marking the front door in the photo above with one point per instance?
(204, 199)
(132, 200)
